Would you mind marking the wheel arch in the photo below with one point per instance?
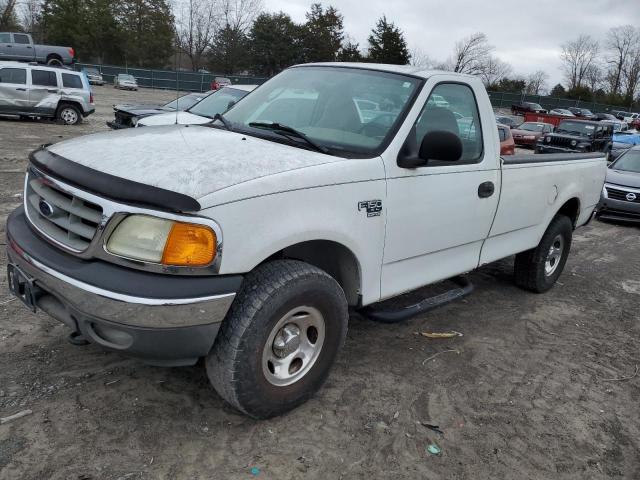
(53, 56)
(333, 257)
(571, 209)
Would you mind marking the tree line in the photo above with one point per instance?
(238, 36)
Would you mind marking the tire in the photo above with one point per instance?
(68, 114)
(54, 61)
(243, 363)
(537, 270)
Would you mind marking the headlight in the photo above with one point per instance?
(158, 240)
(134, 121)
(573, 143)
(547, 139)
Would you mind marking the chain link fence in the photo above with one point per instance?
(505, 100)
(169, 79)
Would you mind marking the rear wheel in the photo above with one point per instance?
(280, 338)
(68, 114)
(538, 269)
(54, 61)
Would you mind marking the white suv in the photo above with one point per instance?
(36, 91)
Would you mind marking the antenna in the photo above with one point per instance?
(178, 63)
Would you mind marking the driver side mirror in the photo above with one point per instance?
(437, 145)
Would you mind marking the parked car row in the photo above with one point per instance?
(190, 109)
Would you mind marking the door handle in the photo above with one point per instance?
(486, 189)
(21, 89)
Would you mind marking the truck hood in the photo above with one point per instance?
(181, 118)
(192, 160)
(623, 178)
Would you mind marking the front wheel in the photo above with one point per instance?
(538, 269)
(279, 340)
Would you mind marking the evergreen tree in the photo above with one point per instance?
(228, 51)
(387, 44)
(274, 43)
(148, 31)
(350, 52)
(558, 91)
(323, 34)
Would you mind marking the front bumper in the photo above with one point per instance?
(163, 319)
(117, 126)
(619, 210)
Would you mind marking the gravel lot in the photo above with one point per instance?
(538, 387)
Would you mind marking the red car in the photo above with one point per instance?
(220, 82)
(507, 145)
(528, 133)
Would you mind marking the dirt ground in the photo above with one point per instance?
(537, 388)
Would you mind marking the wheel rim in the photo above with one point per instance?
(293, 346)
(554, 255)
(69, 116)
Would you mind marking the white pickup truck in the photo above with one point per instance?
(247, 240)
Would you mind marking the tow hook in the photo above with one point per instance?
(76, 338)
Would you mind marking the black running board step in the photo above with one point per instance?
(465, 287)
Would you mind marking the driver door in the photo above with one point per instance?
(439, 215)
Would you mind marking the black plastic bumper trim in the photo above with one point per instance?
(109, 186)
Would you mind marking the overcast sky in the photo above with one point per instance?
(526, 34)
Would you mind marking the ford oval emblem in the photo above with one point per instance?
(631, 197)
(46, 209)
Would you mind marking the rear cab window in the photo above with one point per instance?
(16, 76)
(5, 38)
(43, 78)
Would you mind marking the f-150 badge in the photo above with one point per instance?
(373, 207)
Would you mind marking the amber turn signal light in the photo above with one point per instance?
(189, 245)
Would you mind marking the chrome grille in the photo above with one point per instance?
(65, 218)
(619, 194)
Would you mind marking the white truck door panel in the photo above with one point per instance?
(436, 220)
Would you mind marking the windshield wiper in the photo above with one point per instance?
(286, 131)
(225, 122)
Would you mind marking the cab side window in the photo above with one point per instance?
(5, 38)
(43, 78)
(452, 107)
(13, 75)
(22, 39)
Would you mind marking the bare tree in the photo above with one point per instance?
(577, 57)
(631, 75)
(8, 14)
(471, 54)
(198, 25)
(620, 44)
(492, 70)
(421, 59)
(31, 12)
(536, 82)
(594, 77)
(240, 14)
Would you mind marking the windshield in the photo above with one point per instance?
(92, 71)
(531, 127)
(629, 162)
(217, 102)
(127, 77)
(345, 109)
(184, 102)
(576, 128)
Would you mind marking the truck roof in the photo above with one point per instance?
(383, 67)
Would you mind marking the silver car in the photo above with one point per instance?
(37, 91)
(125, 81)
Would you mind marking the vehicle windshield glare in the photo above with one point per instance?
(628, 162)
(345, 109)
(217, 102)
(531, 127)
(577, 128)
(123, 76)
(183, 102)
